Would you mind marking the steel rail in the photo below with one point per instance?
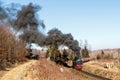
(94, 75)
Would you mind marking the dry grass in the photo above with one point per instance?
(19, 72)
(13, 49)
(48, 70)
(41, 70)
(97, 68)
(44, 70)
(85, 76)
(108, 53)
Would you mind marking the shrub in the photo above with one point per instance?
(85, 52)
(98, 56)
(56, 56)
(54, 53)
(108, 56)
(14, 48)
(64, 56)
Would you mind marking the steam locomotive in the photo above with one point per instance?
(77, 63)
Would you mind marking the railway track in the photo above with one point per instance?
(95, 76)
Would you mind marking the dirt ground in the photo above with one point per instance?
(17, 72)
(47, 70)
(3, 72)
(42, 70)
(105, 68)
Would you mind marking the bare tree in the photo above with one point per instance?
(14, 51)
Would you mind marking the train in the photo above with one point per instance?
(77, 64)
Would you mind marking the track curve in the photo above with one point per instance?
(94, 75)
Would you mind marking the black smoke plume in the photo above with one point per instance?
(8, 13)
(28, 22)
(55, 36)
(33, 36)
(27, 19)
(3, 13)
(71, 43)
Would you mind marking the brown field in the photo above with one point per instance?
(99, 67)
(41, 70)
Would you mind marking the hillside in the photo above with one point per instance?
(105, 68)
(113, 53)
(106, 50)
(41, 70)
(18, 72)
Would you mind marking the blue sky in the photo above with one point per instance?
(97, 21)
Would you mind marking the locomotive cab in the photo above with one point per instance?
(77, 64)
